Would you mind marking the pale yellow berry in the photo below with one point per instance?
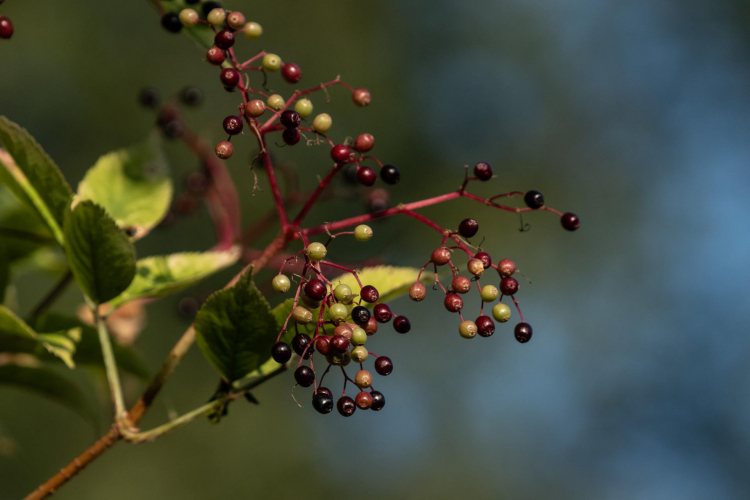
(189, 17)
(322, 123)
(253, 30)
(275, 102)
(216, 17)
(271, 62)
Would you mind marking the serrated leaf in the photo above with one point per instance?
(159, 276)
(32, 176)
(235, 329)
(18, 337)
(131, 185)
(100, 255)
(88, 350)
(47, 383)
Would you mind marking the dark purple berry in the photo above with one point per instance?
(366, 176)
(523, 332)
(485, 258)
(383, 365)
(304, 375)
(149, 98)
(534, 199)
(322, 402)
(382, 313)
(346, 406)
(401, 324)
(369, 294)
(390, 174)
(232, 125)
(361, 315)
(340, 153)
(191, 96)
(316, 289)
(453, 302)
(300, 343)
(509, 286)
(485, 326)
(224, 39)
(339, 344)
(324, 390)
(171, 22)
(483, 171)
(378, 401)
(209, 6)
(281, 353)
(291, 72)
(290, 118)
(230, 77)
(468, 228)
(291, 136)
(570, 221)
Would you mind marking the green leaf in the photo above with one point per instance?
(18, 337)
(88, 351)
(47, 383)
(235, 329)
(4, 272)
(158, 276)
(101, 256)
(131, 185)
(32, 176)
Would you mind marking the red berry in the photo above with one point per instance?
(523, 332)
(361, 97)
(6, 28)
(230, 77)
(509, 286)
(570, 221)
(340, 153)
(316, 289)
(483, 171)
(453, 302)
(441, 256)
(224, 39)
(383, 365)
(369, 294)
(232, 125)
(290, 118)
(372, 326)
(291, 136)
(506, 267)
(255, 107)
(485, 326)
(382, 313)
(401, 324)
(363, 400)
(291, 72)
(224, 150)
(485, 258)
(461, 284)
(215, 56)
(468, 228)
(364, 142)
(417, 292)
(366, 176)
(339, 344)
(323, 345)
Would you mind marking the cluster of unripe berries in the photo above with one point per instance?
(6, 27)
(352, 322)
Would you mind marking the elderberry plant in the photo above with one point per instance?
(331, 309)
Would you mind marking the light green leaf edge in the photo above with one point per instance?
(17, 336)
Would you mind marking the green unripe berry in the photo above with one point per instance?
(302, 315)
(316, 251)
(359, 354)
(467, 329)
(281, 283)
(216, 17)
(501, 312)
(253, 30)
(304, 107)
(189, 17)
(271, 62)
(363, 232)
(359, 336)
(322, 123)
(363, 379)
(489, 293)
(337, 359)
(275, 102)
(343, 293)
(338, 312)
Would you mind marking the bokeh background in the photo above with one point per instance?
(635, 115)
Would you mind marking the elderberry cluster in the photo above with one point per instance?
(6, 27)
(339, 332)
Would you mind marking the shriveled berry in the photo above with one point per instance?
(485, 258)
(322, 402)
(363, 400)
(417, 292)
(390, 174)
(467, 329)
(340, 153)
(364, 142)
(339, 359)
(232, 125)
(316, 289)
(366, 176)
(361, 97)
(304, 107)
(509, 286)
(149, 98)
(343, 293)
(316, 251)
(304, 375)
(207, 7)
(281, 352)
(338, 312)
(281, 283)
(302, 315)
(215, 56)
(191, 96)
(570, 221)
(189, 17)
(483, 171)
(475, 267)
(506, 267)
(275, 102)
(291, 136)
(383, 365)
(453, 302)
(363, 379)
(523, 332)
(224, 150)
(440, 256)
(360, 315)
(235, 20)
(401, 324)
(468, 228)
(489, 293)
(382, 313)
(378, 401)
(300, 343)
(363, 232)
(501, 312)
(369, 294)
(323, 345)
(6, 28)
(169, 21)
(230, 77)
(255, 108)
(291, 72)
(339, 344)
(290, 118)
(252, 30)
(534, 199)
(346, 406)
(224, 39)
(461, 284)
(359, 336)
(371, 328)
(485, 326)
(359, 354)
(271, 62)
(322, 123)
